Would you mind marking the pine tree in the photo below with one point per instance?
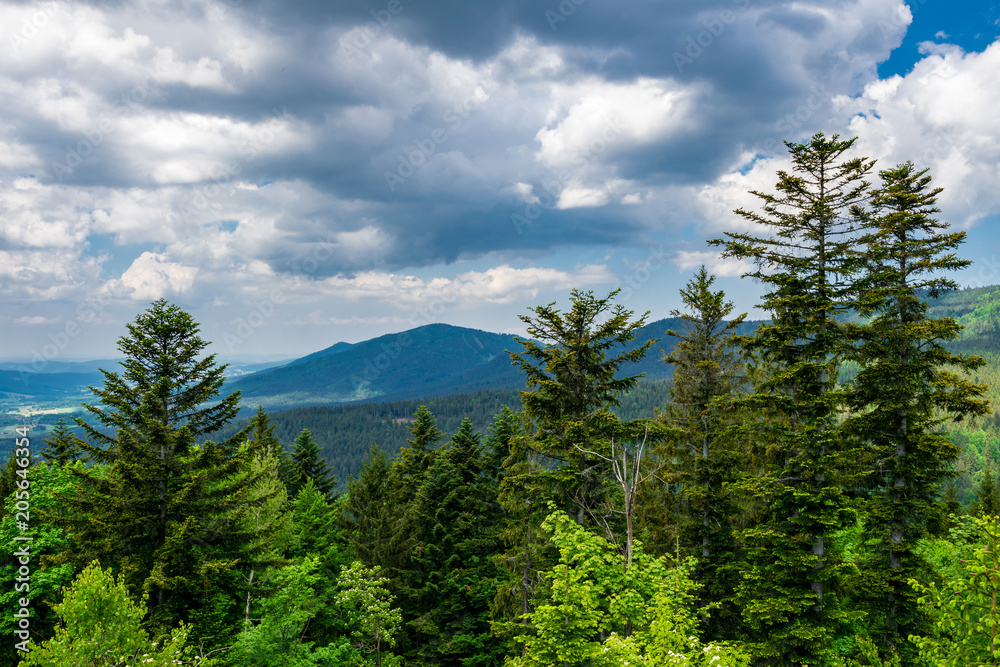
(166, 513)
(906, 386)
(808, 265)
(708, 372)
(62, 447)
(307, 465)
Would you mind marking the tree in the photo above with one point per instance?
(408, 470)
(363, 592)
(907, 386)
(708, 374)
(590, 599)
(373, 519)
(277, 638)
(456, 518)
(62, 447)
(101, 627)
(166, 513)
(987, 502)
(307, 465)
(261, 435)
(572, 383)
(963, 606)
(807, 263)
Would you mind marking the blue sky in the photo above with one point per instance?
(299, 173)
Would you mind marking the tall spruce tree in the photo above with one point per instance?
(908, 384)
(166, 513)
(261, 435)
(807, 262)
(707, 374)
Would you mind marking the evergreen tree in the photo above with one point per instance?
(62, 447)
(307, 465)
(572, 384)
(987, 502)
(261, 434)
(372, 517)
(164, 512)
(808, 265)
(457, 520)
(417, 458)
(906, 387)
(707, 374)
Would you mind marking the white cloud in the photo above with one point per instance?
(151, 276)
(941, 115)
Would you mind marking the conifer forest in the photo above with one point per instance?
(814, 490)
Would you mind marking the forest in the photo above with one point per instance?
(818, 490)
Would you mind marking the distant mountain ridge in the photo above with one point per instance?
(429, 361)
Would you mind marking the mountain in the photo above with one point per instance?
(432, 360)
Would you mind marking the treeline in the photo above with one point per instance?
(345, 433)
(775, 510)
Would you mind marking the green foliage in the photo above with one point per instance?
(807, 261)
(62, 447)
(363, 593)
(308, 465)
(277, 637)
(456, 519)
(599, 613)
(44, 586)
(101, 627)
(708, 373)
(963, 607)
(171, 516)
(373, 519)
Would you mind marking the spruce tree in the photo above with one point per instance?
(373, 519)
(307, 465)
(414, 460)
(807, 263)
(707, 374)
(456, 518)
(62, 446)
(572, 368)
(165, 512)
(261, 435)
(908, 384)
(987, 502)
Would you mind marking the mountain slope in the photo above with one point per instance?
(429, 360)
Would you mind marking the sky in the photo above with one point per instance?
(295, 174)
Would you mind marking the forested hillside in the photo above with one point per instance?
(793, 495)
